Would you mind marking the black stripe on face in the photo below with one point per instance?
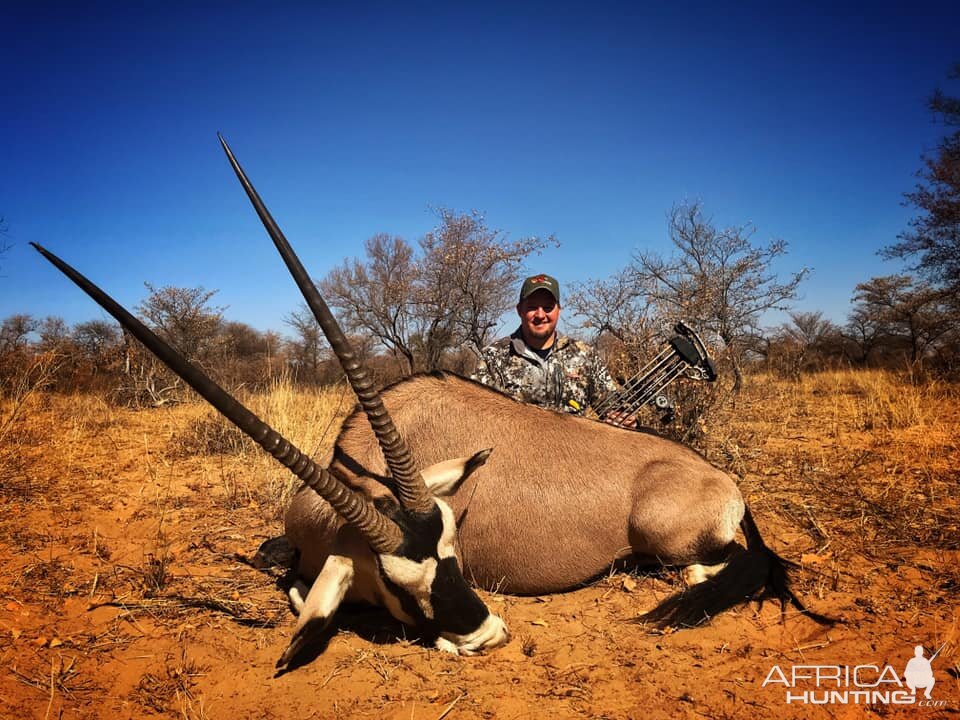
(456, 607)
(421, 531)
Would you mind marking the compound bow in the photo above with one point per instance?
(685, 354)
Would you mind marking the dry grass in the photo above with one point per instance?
(15, 394)
(170, 688)
(63, 678)
(307, 417)
(870, 454)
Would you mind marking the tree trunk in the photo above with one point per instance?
(734, 364)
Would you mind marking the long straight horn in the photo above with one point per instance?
(382, 533)
(411, 489)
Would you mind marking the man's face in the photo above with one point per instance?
(538, 312)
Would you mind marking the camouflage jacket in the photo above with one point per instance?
(570, 378)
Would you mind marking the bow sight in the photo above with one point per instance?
(684, 355)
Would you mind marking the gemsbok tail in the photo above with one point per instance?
(758, 573)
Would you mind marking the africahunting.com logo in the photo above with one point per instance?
(859, 684)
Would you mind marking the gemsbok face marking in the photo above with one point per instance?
(425, 577)
(419, 582)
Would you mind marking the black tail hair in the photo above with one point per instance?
(755, 574)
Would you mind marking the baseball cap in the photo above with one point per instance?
(540, 282)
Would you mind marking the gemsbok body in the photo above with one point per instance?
(544, 501)
(561, 499)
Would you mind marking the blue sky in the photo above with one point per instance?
(585, 120)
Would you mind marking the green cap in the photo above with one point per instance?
(540, 282)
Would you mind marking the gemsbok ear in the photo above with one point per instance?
(445, 478)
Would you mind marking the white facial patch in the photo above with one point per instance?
(447, 545)
(491, 634)
(417, 577)
(414, 577)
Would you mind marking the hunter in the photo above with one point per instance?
(538, 365)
